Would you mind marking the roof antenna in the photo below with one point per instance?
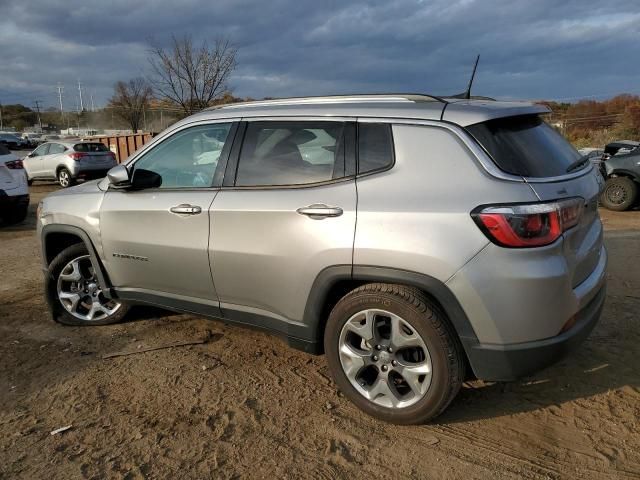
(467, 93)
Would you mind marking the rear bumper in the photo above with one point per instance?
(509, 362)
(92, 174)
(8, 202)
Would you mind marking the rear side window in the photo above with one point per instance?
(291, 153)
(90, 147)
(375, 147)
(56, 148)
(525, 145)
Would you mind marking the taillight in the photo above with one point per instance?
(529, 225)
(77, 155)
(112, 155)
(14, 164)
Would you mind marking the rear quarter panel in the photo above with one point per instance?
(416, 216)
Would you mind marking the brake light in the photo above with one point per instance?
(530, 225)
(77, 155)
(14, 165)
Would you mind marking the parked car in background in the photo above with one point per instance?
(34, 139)
(332, 221)
(68, 162)
(13, 141)
(620, 167)
(14, 192)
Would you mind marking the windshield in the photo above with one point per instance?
(526, 146)
(90, 147)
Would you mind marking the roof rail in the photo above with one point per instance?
(332, 99)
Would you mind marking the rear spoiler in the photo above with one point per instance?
(470, 112)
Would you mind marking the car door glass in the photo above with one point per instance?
(375, 147)
(41, 150)
(188, 158)
(291, 153)
(56, 148)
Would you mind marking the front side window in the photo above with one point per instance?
(41, 150)
(188, 158)
(291, 153)
(56, 148)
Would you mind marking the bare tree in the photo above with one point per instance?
(190, 76)
(130, 99)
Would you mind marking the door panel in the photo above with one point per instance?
(146, 246)
(265, 255)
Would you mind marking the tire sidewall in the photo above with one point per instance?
(437, 394)
(625, 183)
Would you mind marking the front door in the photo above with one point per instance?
(156, 240)
(289, 213)
(34, 161)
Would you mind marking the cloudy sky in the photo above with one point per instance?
(529, 49)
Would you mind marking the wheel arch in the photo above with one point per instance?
(334, 282)
(622, 172)
(55, 238)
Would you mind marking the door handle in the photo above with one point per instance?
(318, 211)
(186, 209)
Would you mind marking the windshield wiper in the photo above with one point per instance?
(578, 163)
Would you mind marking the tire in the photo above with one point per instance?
(421, 321)
(619, 193)
(16, 216)
(65, 179)
(54, 285)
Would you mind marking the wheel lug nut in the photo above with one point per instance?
(390, 350)
(384, 368)
(375, 358)
(394, 363)
(378, 347)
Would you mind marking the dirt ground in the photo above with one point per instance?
(244, 405)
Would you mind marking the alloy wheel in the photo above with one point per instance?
(385, 359)
(80, 293)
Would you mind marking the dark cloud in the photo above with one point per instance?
(530, 49)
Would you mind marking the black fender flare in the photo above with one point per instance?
(103, 279)
(330, 276)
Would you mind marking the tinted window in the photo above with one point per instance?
(525, 146)
(291, 153)
(4, 150)
(188, 158)
(42, 149)
(375, 146)
(90, 147)
(56, 148)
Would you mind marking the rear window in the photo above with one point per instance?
(90, 147)
(525, 145)
(375, 147)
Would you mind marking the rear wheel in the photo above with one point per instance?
(619, 193)
(74, 293)
(392, 353)
(64, 178)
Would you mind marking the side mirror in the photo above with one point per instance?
(118, 177)
(33, 154)
(143, 179)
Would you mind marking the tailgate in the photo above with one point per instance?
(582, 244)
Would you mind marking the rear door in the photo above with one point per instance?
(287, 211)
(527, 146)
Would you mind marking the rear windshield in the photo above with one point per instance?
(525, 145)
(90, 147)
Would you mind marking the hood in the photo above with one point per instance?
(86, 187)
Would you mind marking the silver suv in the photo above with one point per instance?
(67, 161)
(414, 240)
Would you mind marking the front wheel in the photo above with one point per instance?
(74, 293)
(64, 178)
(392, 352)
(619, 193)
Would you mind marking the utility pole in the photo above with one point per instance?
(60, 90)
(80, 91)
(37, 103)
(92, 108)
(1, 124)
